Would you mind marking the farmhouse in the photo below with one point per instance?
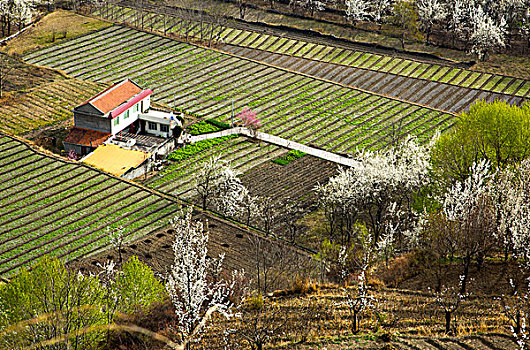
(123, 108)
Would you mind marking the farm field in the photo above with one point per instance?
(290, 51)
(44, 105)
(295, 180)
(235, 242)
(243, 155)
(203, 82)
(64, 209)
(408, 316)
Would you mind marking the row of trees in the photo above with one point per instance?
(15, 13)
(481, 25)
(459, 199)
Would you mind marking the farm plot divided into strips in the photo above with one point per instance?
(55, 207)
(44, 105)
(202, 81)
(380, 73)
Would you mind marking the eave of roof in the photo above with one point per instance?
(120, 109)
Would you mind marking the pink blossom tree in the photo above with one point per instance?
(249, 120)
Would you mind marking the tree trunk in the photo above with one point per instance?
(447, 321)
(467, 262)
(355, 322)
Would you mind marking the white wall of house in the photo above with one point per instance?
(157, 128)
(128, 117)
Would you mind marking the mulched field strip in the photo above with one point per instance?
(29, 181)
(48, 191)
(154, 45)
(358, 130)
(248, 90)
(213, 80)
(11, 234)
(376, 127)
(62, 59)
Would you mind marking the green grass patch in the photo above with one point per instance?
(292, 155)
(205, 127)
(197, 147)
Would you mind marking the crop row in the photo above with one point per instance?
(369, 61)
(343, 56)
(242, 155)
(205, 83)
(49, 206)
(44, 105)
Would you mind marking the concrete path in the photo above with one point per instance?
(275, 140)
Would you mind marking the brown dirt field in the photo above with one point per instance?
(232, 240)
(64, 24)
(490, 279)
(24, 76)
(294, 180)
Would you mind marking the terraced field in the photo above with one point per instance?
(202, 81)
(413, 319)
(44, 105)
(426, 83)
(236, 243)
(51, 206)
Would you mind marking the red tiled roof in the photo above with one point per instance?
(131, 103)
(114, 96)
(86, 137)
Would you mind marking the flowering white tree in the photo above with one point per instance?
(191, 288)
(430, 11)
(377, 182)
(486, 34)
(513, 192)
(468, 209)
(218, 182)
(357, 10)
(450, 299)
(379, 8)
(458, 11)
(311, 5)
(358, 299)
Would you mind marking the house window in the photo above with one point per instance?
(126, 115)
(164, 128)
(152, 126)
(116, 120)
